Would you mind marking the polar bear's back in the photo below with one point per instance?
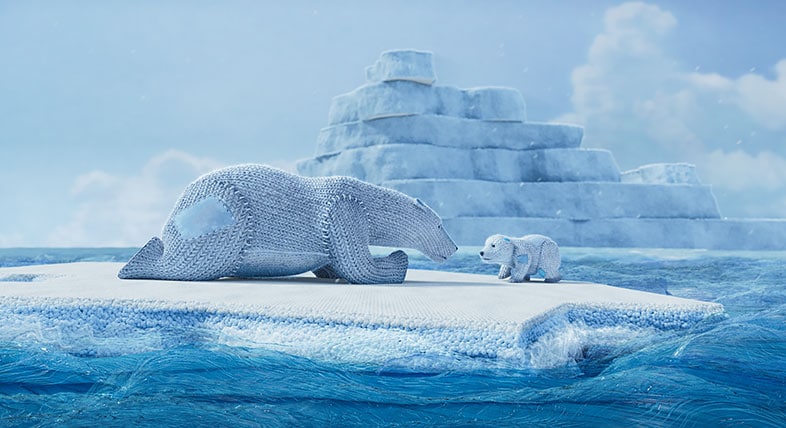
(284, 210)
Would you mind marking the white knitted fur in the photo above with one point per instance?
(541, 252)
(257, 221)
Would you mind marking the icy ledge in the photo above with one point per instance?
(83, 308)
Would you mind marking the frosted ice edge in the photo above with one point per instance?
(658, 317)
(415, 161)
(99, 324)
(448, 131)
(404, 97)
(412, 65)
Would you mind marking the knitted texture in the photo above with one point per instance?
(541, 253)
(256, 221)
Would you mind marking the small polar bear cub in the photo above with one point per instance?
(541, 252)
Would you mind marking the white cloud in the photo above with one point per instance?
(632, 16)
(632, 28)
(628, 92)
(764, 100)
(709, 81)
(94, 180)
(747, 185)
(739, 170)
(114, 210)
(634, 99)
(612, 76)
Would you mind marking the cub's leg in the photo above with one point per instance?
(504, 272)
(519, 273)
(550, 261)
(348, 240)
(533, 270)
(532, 262)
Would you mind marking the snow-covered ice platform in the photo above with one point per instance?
(433, 313)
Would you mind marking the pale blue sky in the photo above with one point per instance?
(107, 109)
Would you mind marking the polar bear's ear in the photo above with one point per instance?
(506, 239)
(420, 204)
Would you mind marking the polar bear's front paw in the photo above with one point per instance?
(393, 267)
(396, 260)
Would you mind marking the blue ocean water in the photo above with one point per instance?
(728, 373)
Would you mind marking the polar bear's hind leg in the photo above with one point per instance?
(145, 263)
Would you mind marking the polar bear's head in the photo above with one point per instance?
(409, 223)
(498, 250)
(399, 220)
(430, 237)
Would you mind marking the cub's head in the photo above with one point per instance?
(498, 250)
(426, 234)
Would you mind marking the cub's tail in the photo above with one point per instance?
(144, 264)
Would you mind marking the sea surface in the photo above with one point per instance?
(731, 372)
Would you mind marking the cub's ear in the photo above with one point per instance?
(506, 239)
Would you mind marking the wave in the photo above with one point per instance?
(221, 373)
(11, 257)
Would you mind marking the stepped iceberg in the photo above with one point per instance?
(472, 155)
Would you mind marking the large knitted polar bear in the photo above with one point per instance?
(257, 221)
(541, 251)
